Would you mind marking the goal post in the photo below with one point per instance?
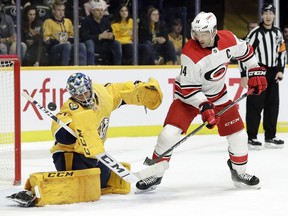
(10, 120)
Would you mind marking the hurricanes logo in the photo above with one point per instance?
(216, 74)
(73, 106)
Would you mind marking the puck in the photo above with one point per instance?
(52, 106)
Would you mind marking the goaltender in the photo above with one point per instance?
(80, 177)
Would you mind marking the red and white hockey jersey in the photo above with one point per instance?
(203, 70)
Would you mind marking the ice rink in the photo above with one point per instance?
(198, 182)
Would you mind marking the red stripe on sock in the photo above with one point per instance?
(239, 159)
(155, 155)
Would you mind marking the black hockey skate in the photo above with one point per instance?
(274, 143)
(23, 198)
(148, 184)
(243, 180)
(254, 144)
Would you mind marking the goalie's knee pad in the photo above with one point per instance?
(238, 150)
(169, 136)
(117, 185)
(65, 187)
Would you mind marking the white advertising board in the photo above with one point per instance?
(46, 85)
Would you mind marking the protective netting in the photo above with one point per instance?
(7, 123)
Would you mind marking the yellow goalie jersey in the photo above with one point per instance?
(90, 125)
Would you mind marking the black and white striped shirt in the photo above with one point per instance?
(269, 46)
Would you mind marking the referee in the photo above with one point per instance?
(269, 47)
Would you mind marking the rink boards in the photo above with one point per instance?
(46, 84)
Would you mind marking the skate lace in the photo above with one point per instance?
(245, 176)
(149, 180)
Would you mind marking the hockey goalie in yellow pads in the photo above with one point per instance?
(87, 112)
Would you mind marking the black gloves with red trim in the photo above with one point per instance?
(257, 80)
(208, 114)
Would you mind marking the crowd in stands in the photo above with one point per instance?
(105, 33)
(105, 38)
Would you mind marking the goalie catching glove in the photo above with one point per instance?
(257, 80)
(208, 114)
(147, 93)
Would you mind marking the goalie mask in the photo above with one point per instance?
(204, 24)
(80, 88)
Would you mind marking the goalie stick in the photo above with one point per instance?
(150, 162)
(104, 157)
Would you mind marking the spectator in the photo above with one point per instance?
(153, 32)
(88, 7)
(105, 8)
(250, 26)
(8, 35)
(25, 3)
(122, 26)
(269, 47)
(285, 35)
(58, 37)
(176, 37)
(8, 2)
(97, 34)
(32, 36)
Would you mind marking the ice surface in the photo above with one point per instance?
(198, 182)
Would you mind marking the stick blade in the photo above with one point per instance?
(149, 161)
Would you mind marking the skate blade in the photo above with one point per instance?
(18, 201)
(257, 148)
(244, 186)
(152, 188)
(273, 146)
(22, 203)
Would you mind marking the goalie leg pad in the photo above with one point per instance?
(147, 94)
(117, 185)
(65, 187)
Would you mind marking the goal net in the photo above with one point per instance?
(10, 122)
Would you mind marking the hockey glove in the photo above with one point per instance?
(208, 114)
(257, 80)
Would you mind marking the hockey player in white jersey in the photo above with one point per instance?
(200, 89)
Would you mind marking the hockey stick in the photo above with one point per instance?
(150, 162)
(104, 157)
